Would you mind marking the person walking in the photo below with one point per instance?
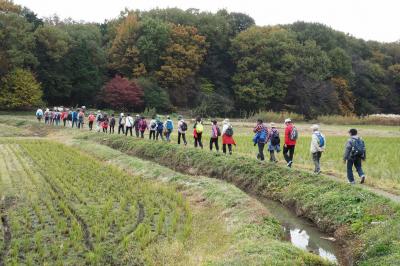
(160, 129)
(260, 138)
(112, 124)
(128, 124)
(169, 127)
(136, 125)
(47, 116)
(273, 143)
(291, 136)
(215, 133)
(104, 123)
(57, 117)
(121, 124)
(39, 114)
(142, 126)
(318, 145)
(74, 117)
(69, 118)
(81, 118)
(354, 154)
(64, 117)
(227, 137)
(153, 128)
(182, 128)
(198, 129)
(99, 119)
(91, 119)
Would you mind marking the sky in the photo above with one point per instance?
(367, 19)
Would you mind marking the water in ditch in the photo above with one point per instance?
(303, 234)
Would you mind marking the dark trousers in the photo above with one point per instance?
(121, 128)
(142, 134)
(152, 134)
(159, 134)
(137, 132)
(197, 141)
(80, 124)
(183, 135)
(288, 152)
(229, 148)
(261, 151)
(111, 129)
(128, 129)
(358, 165)
(65, 122)
(316, 156)
(214, 141)
(90, 125)
(74, 122)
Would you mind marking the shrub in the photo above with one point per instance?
(154, 96)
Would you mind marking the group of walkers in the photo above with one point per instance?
(265, 135)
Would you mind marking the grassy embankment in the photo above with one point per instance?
(62, 207)
(366, 221)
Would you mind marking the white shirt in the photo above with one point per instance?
(129, 121)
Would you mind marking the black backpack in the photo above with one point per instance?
(229, 132)
(275, 139)
(184, 126)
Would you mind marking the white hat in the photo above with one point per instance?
(272, 124)
(226, 121)
(315, 127)
(122, 114)
(288, 120)
(137, 115)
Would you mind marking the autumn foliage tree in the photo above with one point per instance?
(122, 94)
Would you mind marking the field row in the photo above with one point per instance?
(65, 208)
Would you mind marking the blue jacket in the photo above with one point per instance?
(74, 115)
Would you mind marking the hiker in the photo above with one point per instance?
(39, 114)
(198, 133)
(142, 126)
(354, 154)
(227, 137)
(91, 119)
(291, 135)
(112, 124)
(169, 126)
(74, 118)
(64, 117)
(128, 124)
(136, 125)
(215, 133)
(57, 117)
(69, 118)
(47, 116)
(182, 128)
(273, 143)
(52, 115)
(99, 119)
(104, 123)
(121, 123)
(160, 129)
(260, 138)
(81, 118)
(153, 127)
(318, 144)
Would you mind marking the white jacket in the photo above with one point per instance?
(129, 121)
(314, 143)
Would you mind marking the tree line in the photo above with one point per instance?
(212, 63)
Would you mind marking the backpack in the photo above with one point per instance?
(143, 124)
(321, 139)
(160, 126)
(294, 134)
(275, 139)
(263, 136)
(153, 125)
(218, 131)
(184, 126)
(199, 128)
(357, 149)
(229, 131)
(169, 125)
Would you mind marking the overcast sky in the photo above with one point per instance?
(368, 19)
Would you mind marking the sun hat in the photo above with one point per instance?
(288, 120)
(315, 127)
(272, 124)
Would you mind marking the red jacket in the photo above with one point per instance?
(288, 130)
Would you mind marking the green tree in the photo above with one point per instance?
(19, 90)
(154, 95)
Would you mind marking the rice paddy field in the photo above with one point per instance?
(67, 199)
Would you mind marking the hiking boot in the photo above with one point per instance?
(352, 183)
(289, 164)
(362, 179)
